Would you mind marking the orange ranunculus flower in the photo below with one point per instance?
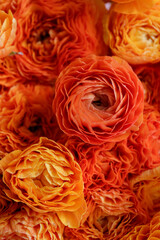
(8, 27)
(98, 99)
(145, 143)
(51, 34)
(150, 231)
(103, 166)
(46, 177)
(150, 77)
(27, 224)
(146, 187)
(25, 115)
(134, 37)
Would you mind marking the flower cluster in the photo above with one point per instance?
(79, 119)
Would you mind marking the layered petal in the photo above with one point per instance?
(103, 166)
(117, 201)
(46, 177)
(150, 77)
(145, 143)
(8, 28)
(148, 182)
(92, 228)
(9, 73)
(134, 6)
(98, 225)
(150, 231)
(27, 224)
(98, 99)
(7, 5)
(7, 206)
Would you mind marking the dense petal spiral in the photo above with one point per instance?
(98, 99)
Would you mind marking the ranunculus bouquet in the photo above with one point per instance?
(79, 120)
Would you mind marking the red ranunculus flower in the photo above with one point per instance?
(98, 99)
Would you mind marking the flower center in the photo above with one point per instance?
(144, 37)
(35, 126)
(43, 38)
(100, 101)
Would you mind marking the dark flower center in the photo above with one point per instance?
(35, 125)
(43, 36)
(100, 101)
